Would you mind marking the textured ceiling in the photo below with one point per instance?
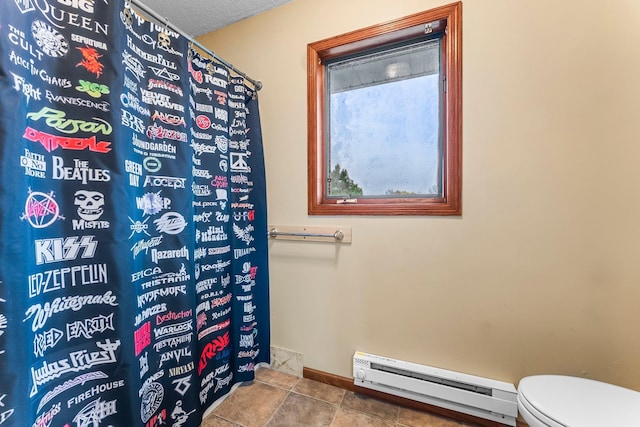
(197, 17)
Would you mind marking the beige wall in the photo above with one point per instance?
(541, 273)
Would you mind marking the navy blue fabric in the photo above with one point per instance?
(133, 248)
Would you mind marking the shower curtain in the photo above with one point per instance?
(133, 252)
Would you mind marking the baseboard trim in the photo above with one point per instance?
(347, 384)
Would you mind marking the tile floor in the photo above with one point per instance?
(276, 399)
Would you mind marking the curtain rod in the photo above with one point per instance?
(257, 84)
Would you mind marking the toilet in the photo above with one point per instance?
(564, 401)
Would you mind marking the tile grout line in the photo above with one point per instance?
(317, 398)
(282, 402)
(276, 411)
(337, 405)
(373, 415)
(338, 409)
(223, 418)
(292, 390)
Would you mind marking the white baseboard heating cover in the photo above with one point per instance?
(477, 396)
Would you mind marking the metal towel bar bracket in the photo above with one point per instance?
(312, 234)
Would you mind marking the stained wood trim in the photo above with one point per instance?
(347, 384)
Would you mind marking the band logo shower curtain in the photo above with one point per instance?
(133, 253)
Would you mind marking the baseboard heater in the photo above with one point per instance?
(481, 397)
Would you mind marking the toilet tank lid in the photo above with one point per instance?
(573, 401)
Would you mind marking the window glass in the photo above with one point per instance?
(384, 123)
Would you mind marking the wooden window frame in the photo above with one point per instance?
(319, 52)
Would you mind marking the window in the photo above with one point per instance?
(384, 111)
